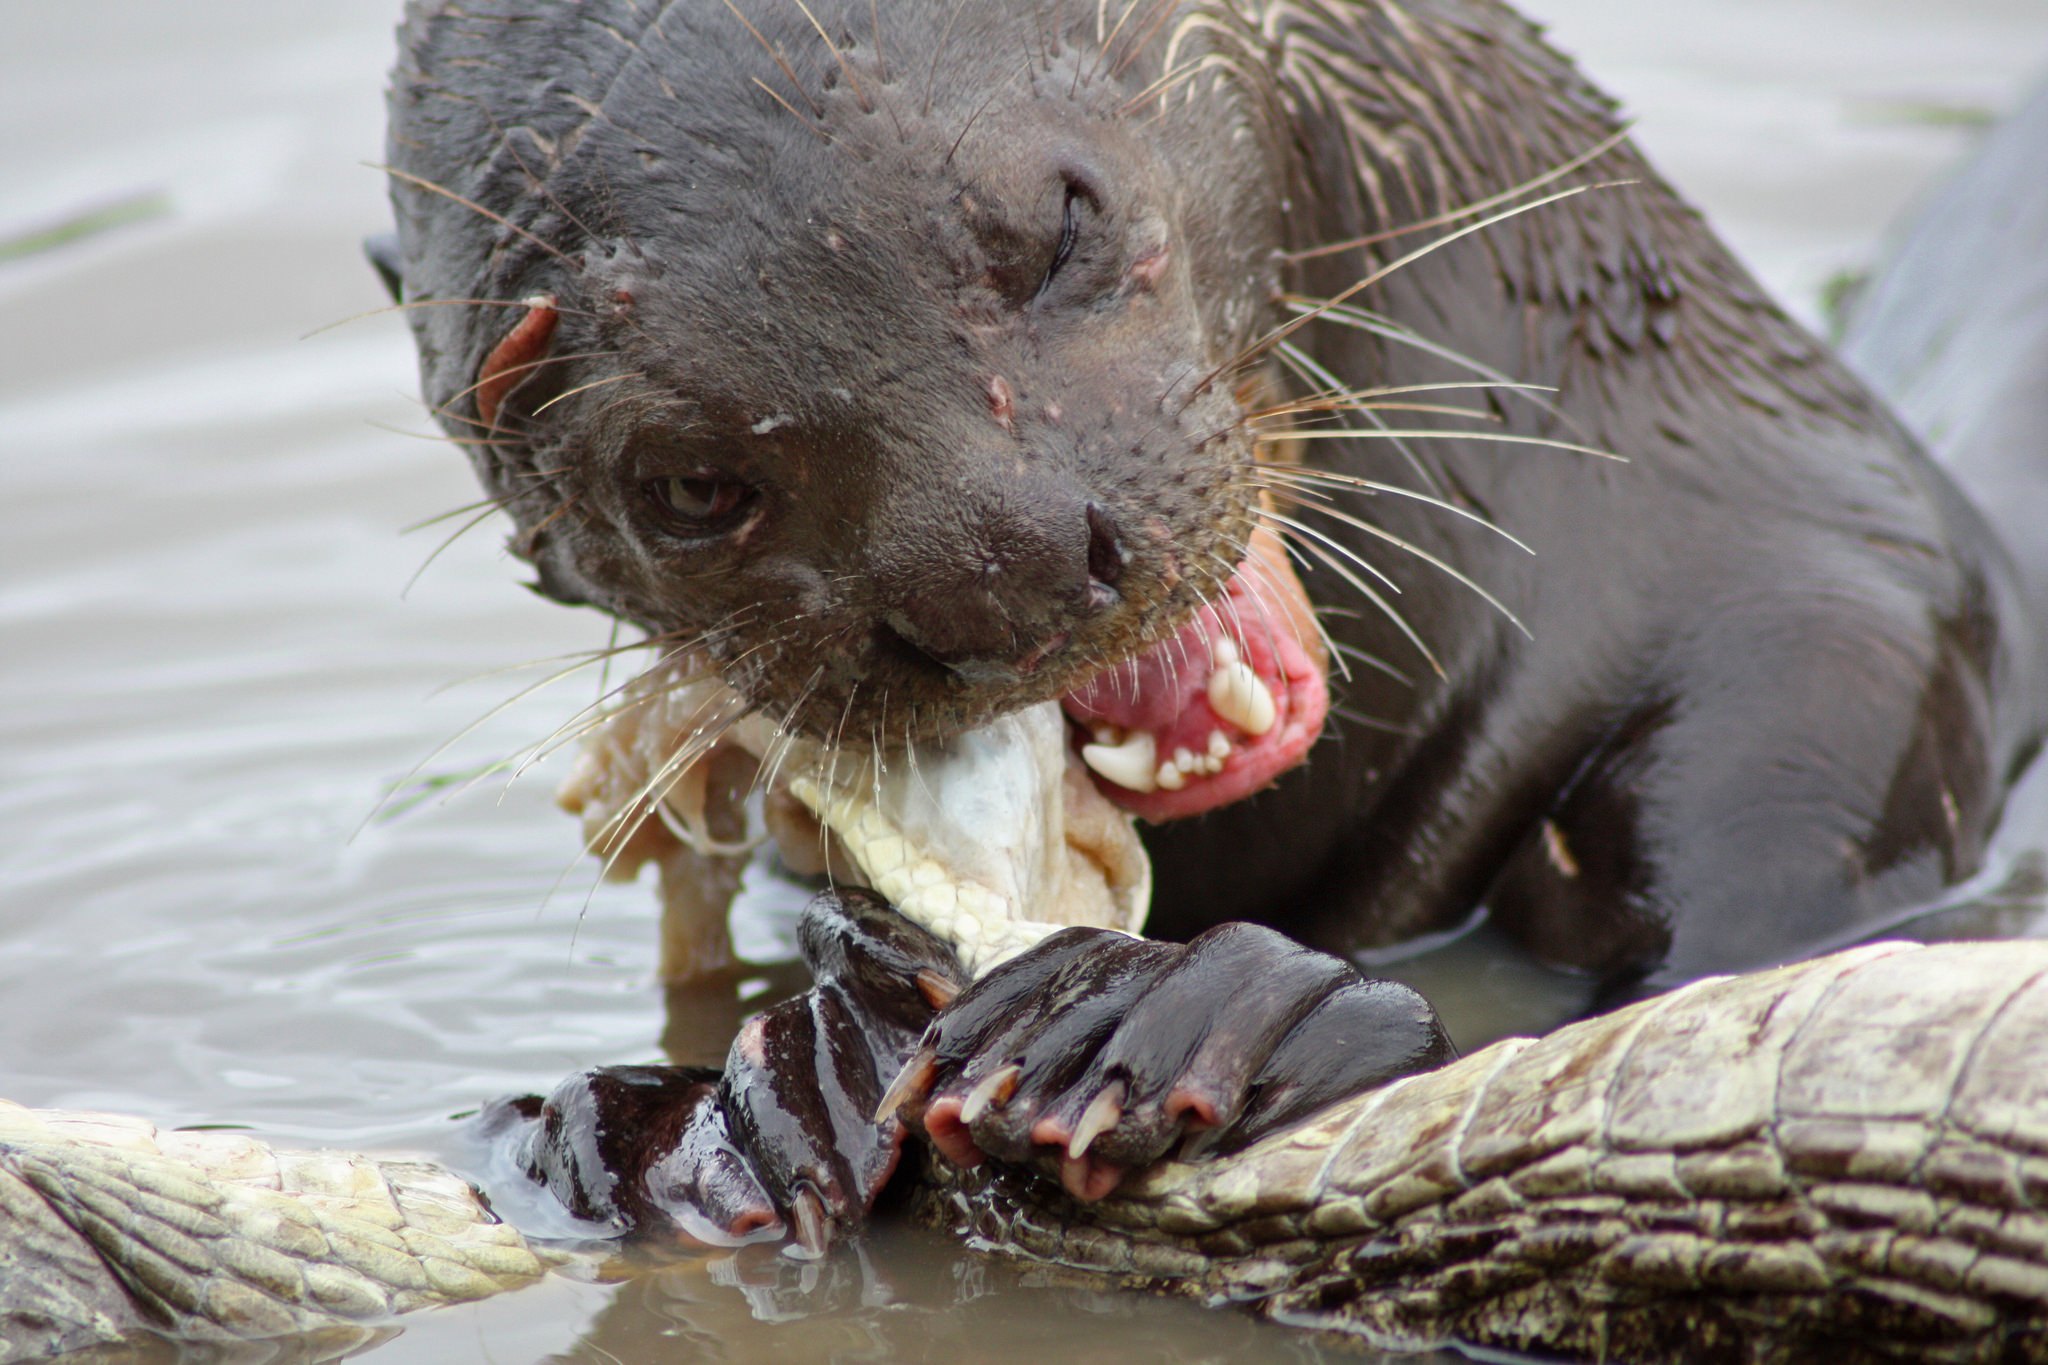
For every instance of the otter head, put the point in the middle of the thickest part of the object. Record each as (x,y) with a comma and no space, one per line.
(897,380)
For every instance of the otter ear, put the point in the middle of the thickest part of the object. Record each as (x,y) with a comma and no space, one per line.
(514,359)
(385,256)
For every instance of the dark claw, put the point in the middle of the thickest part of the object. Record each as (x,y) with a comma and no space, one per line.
(915,1077)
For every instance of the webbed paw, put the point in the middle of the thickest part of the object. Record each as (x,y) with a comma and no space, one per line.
(1103,1052)
(784,1141)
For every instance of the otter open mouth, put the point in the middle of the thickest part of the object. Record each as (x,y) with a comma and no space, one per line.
(1216,711)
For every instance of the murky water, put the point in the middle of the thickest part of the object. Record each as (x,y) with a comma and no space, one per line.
(213,668)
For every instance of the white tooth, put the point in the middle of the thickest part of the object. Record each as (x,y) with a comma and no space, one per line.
(1219,747)
(1223,651)
(1184,759)
(1237,695)
(1110,735)
(1129,764)
(1170,777)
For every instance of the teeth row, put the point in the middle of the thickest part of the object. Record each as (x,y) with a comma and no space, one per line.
(1132,761)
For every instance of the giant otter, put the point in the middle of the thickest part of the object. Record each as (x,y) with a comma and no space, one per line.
(915,361)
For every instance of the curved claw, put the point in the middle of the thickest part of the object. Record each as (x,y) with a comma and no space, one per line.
(812,1226)
(993,1089)
(1099,1117)
(915,1077)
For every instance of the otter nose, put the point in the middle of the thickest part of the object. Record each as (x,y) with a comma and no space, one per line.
(1027,580)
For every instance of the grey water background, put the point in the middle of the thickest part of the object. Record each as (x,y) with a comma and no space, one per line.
(212,669)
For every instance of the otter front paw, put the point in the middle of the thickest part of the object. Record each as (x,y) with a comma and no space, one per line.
(1103,1052)
(784,1142)
(642,1150)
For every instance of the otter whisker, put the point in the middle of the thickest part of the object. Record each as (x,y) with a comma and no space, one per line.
(482,504)
(1251,567)
(1426,434)
(1368,398)
(1335,545)
(837,747)
(815,130)
(586,388)
(774,52)
(496,506)
(593,715)
(462,734)
(1298,360)
(1336,565)
(530,537)
(1286,329)
(931,85)
(1376,324)
(1331,409)
(647,802)
(442,438)
(1104,42)
(604,672)
(1170,82)
(525,366)
(860,93)
(411,304)
(1298,476)
(1161,11)
(786,732)
(1357,717)
(1513,192)
(1256,568)
(514,436)
(979,110)
(1369,659)
(536,476)
(617,835)
(500,219)
(1425,556)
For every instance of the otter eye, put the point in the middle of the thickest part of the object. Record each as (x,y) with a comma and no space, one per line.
(699,503)
(1070,233)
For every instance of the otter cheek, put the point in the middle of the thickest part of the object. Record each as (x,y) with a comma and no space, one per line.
(1219,710)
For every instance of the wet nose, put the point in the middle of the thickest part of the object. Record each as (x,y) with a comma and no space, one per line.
(1027,576)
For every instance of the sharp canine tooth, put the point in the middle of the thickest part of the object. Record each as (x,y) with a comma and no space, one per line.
(1170,777)
(1237,695)
(1130,764)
